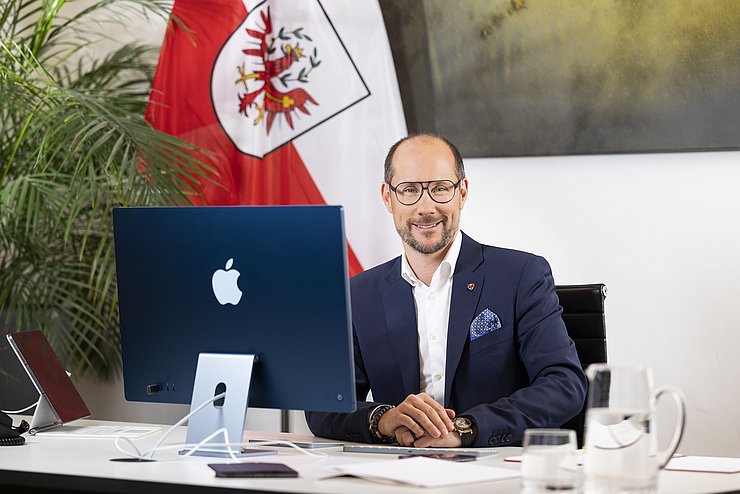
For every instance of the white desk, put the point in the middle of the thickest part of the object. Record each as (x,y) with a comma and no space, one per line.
(82,465)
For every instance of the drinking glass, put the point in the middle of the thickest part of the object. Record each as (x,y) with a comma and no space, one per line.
(549,461)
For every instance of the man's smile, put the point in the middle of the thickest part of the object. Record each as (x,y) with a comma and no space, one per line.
(427,226)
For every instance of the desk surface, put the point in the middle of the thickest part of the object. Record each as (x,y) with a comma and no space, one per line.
(83,465)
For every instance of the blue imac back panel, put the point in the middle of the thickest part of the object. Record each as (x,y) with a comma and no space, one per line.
(265,280)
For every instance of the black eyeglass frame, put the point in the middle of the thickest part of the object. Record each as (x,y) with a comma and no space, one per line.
(425,186)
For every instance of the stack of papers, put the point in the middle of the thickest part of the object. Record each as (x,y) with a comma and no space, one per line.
(423,472)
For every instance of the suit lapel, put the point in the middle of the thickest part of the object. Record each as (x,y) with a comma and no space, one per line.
(400,314)
(467,285)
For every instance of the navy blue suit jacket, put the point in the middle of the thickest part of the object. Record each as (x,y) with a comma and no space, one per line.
(524,375)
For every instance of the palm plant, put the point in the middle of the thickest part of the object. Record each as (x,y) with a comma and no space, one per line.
(73,145)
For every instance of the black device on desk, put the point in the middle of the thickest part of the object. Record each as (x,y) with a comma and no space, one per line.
(253,470)
(9,435)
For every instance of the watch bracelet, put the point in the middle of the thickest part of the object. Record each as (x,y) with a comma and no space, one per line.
(374,421)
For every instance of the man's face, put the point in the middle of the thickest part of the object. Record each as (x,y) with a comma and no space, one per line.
(427,226)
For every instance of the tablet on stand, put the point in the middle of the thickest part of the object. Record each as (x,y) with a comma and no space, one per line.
(59,401)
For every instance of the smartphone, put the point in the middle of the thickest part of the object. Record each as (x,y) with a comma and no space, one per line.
(253,470)
(443,457)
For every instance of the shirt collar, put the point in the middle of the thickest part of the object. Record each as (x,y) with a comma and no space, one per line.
(445,268)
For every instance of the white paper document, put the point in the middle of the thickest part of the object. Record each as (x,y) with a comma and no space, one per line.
(424,472)
(711,464)
(104,431)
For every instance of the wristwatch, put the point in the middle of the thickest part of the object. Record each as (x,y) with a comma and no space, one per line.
(464,426)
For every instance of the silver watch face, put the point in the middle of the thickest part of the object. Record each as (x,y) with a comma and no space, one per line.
(462,423)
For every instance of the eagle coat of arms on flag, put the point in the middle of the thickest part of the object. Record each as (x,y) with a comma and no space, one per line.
(282,72)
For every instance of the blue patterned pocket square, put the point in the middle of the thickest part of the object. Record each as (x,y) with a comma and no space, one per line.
(484,323)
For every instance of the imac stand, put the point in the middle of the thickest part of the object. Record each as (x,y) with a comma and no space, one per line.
(216,374)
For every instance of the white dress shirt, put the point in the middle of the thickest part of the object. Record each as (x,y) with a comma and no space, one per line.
(433,315)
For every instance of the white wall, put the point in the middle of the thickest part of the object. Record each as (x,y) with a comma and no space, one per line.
(663,232)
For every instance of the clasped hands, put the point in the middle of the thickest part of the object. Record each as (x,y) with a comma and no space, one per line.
(421,422)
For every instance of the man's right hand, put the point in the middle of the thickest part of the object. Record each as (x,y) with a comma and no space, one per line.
(417,416)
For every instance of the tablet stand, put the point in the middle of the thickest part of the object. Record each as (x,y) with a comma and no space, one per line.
(44,417)
(215,374)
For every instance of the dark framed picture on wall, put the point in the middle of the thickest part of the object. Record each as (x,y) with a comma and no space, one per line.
(558,77)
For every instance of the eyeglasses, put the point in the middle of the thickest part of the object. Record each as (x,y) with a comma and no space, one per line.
(441,191)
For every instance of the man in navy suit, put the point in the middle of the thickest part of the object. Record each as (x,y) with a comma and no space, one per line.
(462,344)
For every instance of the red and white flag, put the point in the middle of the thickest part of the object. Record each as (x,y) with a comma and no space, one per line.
(298,101)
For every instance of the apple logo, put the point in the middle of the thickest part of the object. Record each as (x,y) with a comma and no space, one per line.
(224,285)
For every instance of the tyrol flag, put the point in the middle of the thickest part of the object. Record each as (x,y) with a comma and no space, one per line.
(297,100)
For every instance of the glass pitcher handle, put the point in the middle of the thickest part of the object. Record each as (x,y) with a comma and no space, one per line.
(666,455)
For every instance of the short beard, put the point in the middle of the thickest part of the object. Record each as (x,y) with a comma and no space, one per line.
(409,239)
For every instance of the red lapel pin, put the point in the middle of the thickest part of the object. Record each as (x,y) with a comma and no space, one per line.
(471,286)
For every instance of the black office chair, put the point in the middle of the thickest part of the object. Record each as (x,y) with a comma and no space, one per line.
(583,314)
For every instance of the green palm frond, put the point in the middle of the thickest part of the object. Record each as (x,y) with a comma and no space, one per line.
(74,144)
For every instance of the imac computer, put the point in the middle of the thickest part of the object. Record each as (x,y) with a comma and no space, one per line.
(264,281)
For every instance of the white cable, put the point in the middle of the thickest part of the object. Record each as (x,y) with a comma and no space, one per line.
(128,453)
(185,419)
(193,448)
(148,455)
(23,409)
(143,456)
(204,441)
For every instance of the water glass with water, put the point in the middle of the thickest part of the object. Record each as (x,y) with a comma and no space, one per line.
(549,461)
